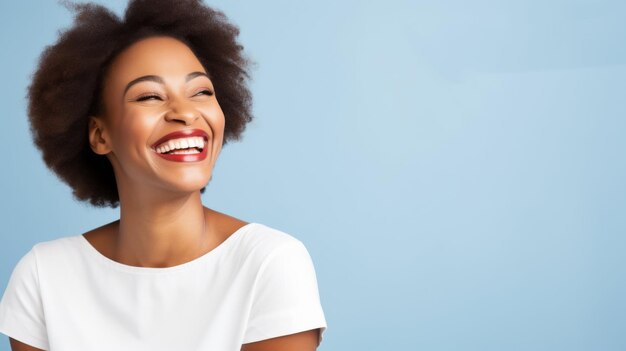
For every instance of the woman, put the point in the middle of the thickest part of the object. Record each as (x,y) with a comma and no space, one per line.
(134,113)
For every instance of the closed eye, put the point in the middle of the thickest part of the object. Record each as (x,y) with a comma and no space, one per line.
(148,97)
(206,92)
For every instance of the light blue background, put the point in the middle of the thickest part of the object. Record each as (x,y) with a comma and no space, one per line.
(455,168)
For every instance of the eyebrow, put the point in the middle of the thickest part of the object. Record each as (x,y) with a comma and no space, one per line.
(158,79)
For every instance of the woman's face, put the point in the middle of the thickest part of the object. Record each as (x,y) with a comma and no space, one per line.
(154,88)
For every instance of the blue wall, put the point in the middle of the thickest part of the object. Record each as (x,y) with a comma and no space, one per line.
(456,169)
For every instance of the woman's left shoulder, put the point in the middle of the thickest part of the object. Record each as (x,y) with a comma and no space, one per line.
(255,234)
(270,238)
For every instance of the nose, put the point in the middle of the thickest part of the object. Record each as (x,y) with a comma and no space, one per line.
(181,111)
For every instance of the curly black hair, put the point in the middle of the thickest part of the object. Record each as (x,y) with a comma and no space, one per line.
(67,86)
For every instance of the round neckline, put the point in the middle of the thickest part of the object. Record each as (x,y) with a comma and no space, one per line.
(162,270)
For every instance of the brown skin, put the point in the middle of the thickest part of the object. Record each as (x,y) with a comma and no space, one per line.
(304,341)
(20,346)
(162,220)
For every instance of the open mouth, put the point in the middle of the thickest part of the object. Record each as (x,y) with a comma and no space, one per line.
(187,145)
(182,146)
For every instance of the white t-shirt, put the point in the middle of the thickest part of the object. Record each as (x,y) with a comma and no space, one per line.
(259,283)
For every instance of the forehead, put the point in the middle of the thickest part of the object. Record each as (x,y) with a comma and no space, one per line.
(162,56)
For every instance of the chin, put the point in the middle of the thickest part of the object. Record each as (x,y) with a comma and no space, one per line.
(188,183)
(190,187)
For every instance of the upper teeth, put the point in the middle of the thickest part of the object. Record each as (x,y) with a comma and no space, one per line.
(182,143)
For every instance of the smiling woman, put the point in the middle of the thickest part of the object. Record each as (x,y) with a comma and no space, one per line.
(155,97)
(145,110)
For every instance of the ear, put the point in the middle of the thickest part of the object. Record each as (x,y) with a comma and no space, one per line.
(98,136)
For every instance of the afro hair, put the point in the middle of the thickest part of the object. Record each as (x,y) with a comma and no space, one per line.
(67,86)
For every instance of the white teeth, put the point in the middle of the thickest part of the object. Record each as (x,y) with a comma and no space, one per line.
(185,152)
(182,143)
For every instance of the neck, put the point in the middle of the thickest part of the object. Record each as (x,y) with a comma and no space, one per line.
(154,232)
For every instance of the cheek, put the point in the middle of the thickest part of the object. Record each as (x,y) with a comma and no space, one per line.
(221,123)
(215,118)
(134,130)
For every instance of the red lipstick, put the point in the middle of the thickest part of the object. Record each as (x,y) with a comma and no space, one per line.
(184,134)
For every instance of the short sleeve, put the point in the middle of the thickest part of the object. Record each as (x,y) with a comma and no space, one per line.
(285,297)
(21,311)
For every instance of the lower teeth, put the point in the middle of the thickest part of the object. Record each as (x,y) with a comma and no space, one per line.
(184,152)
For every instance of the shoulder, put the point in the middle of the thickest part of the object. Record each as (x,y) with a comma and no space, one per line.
(55,247)
(279,255)
(268,239)
(257,245)
(270,236)
(250,236)
(42,253)
(49,256)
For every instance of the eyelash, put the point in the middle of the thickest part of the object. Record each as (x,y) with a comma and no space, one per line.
(146,97)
